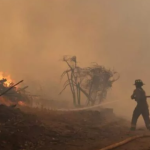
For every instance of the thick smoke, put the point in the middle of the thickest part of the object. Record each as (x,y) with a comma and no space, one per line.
(35,34)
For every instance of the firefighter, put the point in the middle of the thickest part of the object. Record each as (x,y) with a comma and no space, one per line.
(140,97)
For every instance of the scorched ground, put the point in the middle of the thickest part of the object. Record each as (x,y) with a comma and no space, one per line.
(35,129)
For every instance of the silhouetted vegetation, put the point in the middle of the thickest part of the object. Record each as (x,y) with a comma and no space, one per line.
(93,81)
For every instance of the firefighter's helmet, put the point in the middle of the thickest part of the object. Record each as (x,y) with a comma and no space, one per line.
(139,82)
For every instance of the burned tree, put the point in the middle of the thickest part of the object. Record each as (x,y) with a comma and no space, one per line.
(93,82)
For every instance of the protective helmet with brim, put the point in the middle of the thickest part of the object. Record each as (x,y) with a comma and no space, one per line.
(139,82)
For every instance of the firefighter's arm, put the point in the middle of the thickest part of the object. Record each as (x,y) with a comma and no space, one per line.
(136,95)
(133,96)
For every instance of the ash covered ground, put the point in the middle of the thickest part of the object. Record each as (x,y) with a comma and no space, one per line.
(36,129)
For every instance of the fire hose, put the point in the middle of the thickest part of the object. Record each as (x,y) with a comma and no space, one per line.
(118,144)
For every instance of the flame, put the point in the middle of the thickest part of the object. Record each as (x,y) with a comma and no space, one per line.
(8,77)
(21,103)
(5,101)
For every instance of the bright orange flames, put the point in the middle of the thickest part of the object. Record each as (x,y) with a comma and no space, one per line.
(9,80)
(4,100)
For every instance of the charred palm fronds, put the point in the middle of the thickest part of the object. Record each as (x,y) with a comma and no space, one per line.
(93,82)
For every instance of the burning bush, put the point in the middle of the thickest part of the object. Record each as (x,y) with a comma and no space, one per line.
(11,94)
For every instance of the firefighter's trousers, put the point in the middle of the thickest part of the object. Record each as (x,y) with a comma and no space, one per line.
(141,110)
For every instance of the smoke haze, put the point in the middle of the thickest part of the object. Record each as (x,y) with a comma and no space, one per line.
(35,34)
